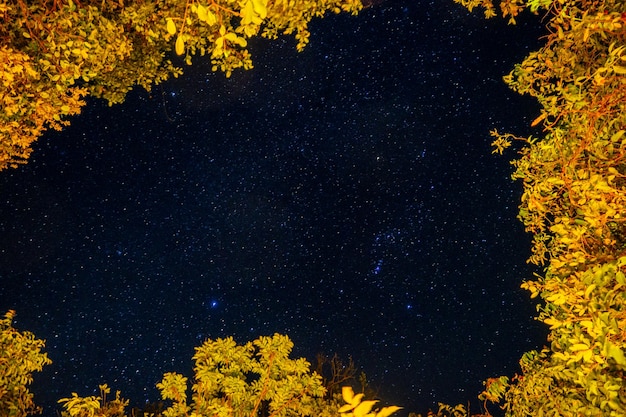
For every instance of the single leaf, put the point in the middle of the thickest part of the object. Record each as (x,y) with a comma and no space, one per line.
(579,346)
(357,400)
(180,45)
(364,408)
(347,393)
(387,411)
(589,290)
(171,27)
(211,19)
(202,13)
(538,120)
(619,70)
(617,354)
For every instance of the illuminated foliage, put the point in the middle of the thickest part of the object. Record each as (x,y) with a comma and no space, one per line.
(254,379)
(574,204)
(251,380)
(356,407)
(93,406)
(20,356)
(257,379)
(56,53)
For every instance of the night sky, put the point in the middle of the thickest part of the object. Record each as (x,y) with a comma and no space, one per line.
(346,196)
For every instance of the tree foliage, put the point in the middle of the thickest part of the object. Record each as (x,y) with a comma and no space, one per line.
(55,53)
(356,406)
(254,379)
(20,356)
(574,204)
(257,379)
(93,406)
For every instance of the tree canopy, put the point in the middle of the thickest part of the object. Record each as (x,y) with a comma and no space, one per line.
(573,174)
(55,53)
(574,205)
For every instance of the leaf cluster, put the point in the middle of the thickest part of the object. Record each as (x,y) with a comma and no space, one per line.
(93,406)
(574,204)
(54,54)
(254,379)
(20,356)
(221,28)
(356,406)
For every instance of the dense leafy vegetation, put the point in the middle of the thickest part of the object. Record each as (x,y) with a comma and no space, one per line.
(54,54)
(20,356)
(574,199)
(574,204)
(256,379)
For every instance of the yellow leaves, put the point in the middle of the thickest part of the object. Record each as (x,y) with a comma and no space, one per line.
(489,10)
(532,287)
(94,406)
(173,386)
(501,142)
(108,51)
(494,389)
(578,346)
(356,407)
(574,204)
(206,15)
(20,356)
(590,328)
(553,323)
(617,136)
(253,12)
(222,42)
(500,145)
(363,408)
(80,407)
(614,352)
(352,401)
(222,29)
(233,379)
(557,299)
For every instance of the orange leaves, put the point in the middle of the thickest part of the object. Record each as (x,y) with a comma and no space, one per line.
(109,50)
(538,120)
(30,106)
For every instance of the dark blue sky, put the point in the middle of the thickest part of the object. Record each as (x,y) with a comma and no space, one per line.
(346,196)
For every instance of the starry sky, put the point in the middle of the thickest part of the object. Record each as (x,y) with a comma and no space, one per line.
(346,196)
